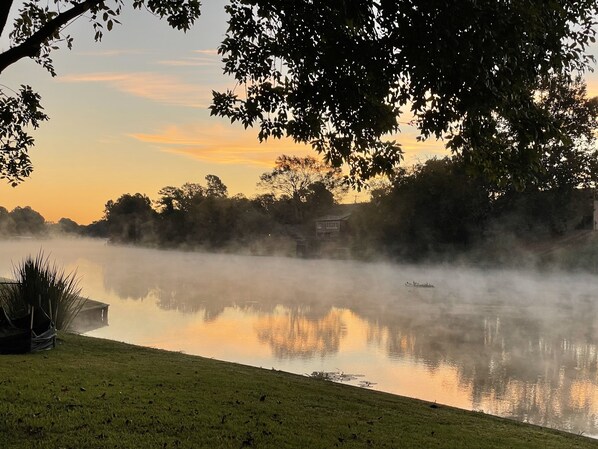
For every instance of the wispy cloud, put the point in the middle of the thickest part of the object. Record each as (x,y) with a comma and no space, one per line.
(190,62)
(227,144)
(222,144)
(204,58)
(212,52)
(114,52)
(161,88)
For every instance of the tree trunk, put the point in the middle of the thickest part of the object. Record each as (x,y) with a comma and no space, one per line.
(4,11)
(31,46)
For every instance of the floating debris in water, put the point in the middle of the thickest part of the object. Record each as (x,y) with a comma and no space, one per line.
(339,376)
(418,285)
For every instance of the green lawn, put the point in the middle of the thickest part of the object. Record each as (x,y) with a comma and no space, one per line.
(91,393)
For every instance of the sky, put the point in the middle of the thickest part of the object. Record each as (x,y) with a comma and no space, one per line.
(130,114)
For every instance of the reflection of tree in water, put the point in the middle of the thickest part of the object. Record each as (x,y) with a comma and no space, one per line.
(210,289)
(535,367)
(291,334)
(128,279)
(188,301)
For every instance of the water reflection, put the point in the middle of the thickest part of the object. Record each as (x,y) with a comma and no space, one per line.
(291,334)
(514,344)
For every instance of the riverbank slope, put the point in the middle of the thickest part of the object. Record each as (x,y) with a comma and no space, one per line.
(96,393)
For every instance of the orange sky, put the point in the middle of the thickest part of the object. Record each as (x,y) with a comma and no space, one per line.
(130,115)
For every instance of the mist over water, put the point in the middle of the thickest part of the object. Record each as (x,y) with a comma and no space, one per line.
(511,343)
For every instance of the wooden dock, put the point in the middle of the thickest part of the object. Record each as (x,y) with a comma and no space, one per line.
(93,315)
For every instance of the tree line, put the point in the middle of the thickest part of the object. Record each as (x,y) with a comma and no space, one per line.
(438,210)
(434,210)
(204,215)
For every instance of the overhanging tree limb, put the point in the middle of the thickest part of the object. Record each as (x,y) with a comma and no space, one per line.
(36,31)
(4,11)
(32,45)
(340,75)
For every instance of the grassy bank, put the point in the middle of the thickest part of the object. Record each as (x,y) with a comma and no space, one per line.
(91,393)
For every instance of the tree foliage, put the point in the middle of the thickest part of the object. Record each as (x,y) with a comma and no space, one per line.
(27,221)
(17,113)
(341,74)
(130,218)
(38,30)
(183,211)
(431,208)
(215,187)
(180,198)
(303,180)
(21,221)
(292,176)
(563,156)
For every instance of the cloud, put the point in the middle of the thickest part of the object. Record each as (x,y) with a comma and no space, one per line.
(161,88)
(221,144)
(114,52)
(212,52)
(206,58)
(190,62)
(227,144)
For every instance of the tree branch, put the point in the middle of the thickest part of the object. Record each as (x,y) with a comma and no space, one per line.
(4,11)
(31,46)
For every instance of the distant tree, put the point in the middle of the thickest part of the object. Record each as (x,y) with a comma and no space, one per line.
(539,214)
(68,226)
(98,228)
(318,200)
(172,205)
(279,210)
(434,208)
(294,177)
(264,202)
(253,221)
(38,29)
(215,187)
(169,200)
(27,221)
(214,221)
(211,222)
(179,208)
(130,219)
(6,222)
(180,198)
(554,201)
(340,75)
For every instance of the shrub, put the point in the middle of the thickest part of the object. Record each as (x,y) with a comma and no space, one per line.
(44,287)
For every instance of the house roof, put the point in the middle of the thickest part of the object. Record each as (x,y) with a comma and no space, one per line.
(344,216)
(338,212)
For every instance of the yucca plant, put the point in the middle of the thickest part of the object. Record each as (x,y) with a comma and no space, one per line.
(44,287)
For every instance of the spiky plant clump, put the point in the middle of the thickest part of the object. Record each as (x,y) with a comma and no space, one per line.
(44,287)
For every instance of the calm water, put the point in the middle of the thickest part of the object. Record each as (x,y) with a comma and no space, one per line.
(514,344)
